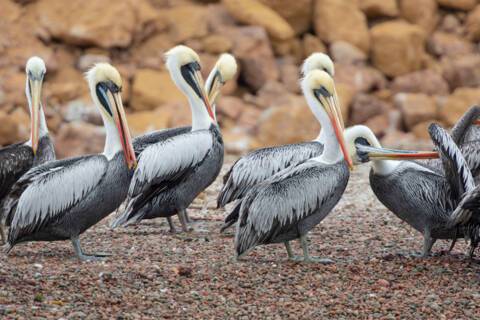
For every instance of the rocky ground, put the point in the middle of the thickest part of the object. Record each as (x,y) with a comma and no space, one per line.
(153,274)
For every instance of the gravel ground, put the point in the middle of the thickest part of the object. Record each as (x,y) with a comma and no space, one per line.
(154,274)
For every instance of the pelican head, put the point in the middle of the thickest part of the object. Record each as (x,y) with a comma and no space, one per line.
(105,85)
(364,146)
(319,89)
(318,61)
(184,66)
(224,70)
(35,70)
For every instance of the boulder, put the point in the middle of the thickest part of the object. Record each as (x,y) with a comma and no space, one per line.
(473,24)
(236,140)
(12,129)
(366,106)
(398,47)
(312,44)
(253,12)
(457,103)
(186,22)
(462,71)
(289,75)
(153,88)
(86,61)
(230,107)
(249,117)
(464,5)
(336,20)
(379,8)
(91,22)
(378,124)
(141,122)
(66,85)
(297,13)
(345,97)
(448,44)
(420,130)
(360,78)
(422,13)
(451,24)
(149,53)
(346,53)
(216,44)
(424,81)
(415,108)
(79,138)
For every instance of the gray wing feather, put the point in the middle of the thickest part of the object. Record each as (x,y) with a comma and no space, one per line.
(167,158)
(54,189)
(463,129)
(260,165)
(281,202)
(140,143)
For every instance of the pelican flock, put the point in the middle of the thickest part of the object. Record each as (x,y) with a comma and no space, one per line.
(279,193)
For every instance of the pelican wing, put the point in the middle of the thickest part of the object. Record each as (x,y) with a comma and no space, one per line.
(456,168)
(49,191)
(15,160)
(277,205)
(170,159)
(465,130)
(260,165)
(140,143)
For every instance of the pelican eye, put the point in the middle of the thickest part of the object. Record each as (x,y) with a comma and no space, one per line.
(188,70)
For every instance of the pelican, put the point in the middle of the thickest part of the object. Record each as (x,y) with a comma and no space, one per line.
(18,158)
(421,195)
(261,164)
(289,204)
(61,199)
(172,172)
(224,70)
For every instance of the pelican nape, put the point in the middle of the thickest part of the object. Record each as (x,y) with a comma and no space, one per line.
(225,69)
(171,173)
(61,199)
(261,164)
(289,204)
(18,158)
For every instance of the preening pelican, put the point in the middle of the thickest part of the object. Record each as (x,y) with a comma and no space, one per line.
(289,204)
(261,164)
(18,158)
(421,195)
(172,172)
(61,199)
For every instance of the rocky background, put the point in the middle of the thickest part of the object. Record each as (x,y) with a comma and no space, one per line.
(399,64)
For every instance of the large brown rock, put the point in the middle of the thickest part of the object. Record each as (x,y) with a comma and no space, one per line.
(153,88)
(297,13)
(149,54)
(312,44)
(366,106)
(379,8)
(286,124)
(457,103)
(398,47)
(422,13)
(79,138)
(346,53)
(186,22)
(253,12)
(12,129)
(448,44)
(341,20)
(424,81)
(251,47)
(91,22)
(141,122)
(360,78)
(473,24)
(462,71)
(415,108)
(67,84)
(458,4)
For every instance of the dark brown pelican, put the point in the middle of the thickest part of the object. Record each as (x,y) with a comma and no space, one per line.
(18,158)
(61,199)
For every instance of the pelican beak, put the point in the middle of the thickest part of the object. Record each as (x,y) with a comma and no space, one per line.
(115,101)
(197,77)
(367,153)
(35,94)
(214,87)
(330,102)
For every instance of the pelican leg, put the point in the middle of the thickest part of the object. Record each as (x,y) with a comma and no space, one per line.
(428,242)
(291,256)
(171,225)
(3,234)
(183,220)
(187,218)
(85,257)
(307,257)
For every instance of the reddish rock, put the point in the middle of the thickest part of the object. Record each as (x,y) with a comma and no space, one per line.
(87,61)
(14,128)
(473,24)
(346,53)
(423,81)
(231,107)
(336,20)
(72,137)
(463,71)
(186,22)
(217,44)
(360,78)
(312,44)
(366,106)
(458,4)
(379,8)
(249,117)
(145,121)
(289,75)
(457,103)
(378,124)
(149,53)
(415,108)
(447,44)
(297,13)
